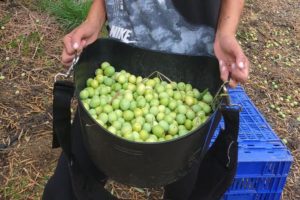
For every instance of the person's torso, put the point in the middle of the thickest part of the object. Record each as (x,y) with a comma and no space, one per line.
(156,25)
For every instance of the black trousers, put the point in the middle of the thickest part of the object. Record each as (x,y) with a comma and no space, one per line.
(61,187)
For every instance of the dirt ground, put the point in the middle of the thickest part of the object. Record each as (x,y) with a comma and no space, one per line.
(30,45)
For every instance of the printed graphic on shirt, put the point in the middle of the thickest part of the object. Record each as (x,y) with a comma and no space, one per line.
(118,8)
(155,24)
(121,34)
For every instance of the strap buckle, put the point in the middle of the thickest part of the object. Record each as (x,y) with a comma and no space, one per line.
(68,73)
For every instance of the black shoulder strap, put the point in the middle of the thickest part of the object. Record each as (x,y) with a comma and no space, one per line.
(210,179)
(218,168)
(63,93)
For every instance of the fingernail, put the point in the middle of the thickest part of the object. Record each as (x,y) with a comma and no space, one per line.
(223,68)
(75,45)
(221,62)
(233,65)
(241,65)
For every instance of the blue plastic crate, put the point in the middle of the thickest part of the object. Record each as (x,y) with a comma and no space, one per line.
(264,161)
(261,174)
(253,126)
(261,170)
(271,145)
(252,196)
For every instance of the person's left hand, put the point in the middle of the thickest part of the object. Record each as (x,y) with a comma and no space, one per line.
(231,59)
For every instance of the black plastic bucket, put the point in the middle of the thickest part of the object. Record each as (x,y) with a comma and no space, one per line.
(146,164)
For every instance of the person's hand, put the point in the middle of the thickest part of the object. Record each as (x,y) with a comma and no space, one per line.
(78,39)
(231,60)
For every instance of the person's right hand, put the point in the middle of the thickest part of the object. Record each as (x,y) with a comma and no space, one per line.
(232,59)
(78,39)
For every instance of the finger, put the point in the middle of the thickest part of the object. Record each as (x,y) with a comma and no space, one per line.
(82,46)
(67,41)
(242,63)
(67,65)
(233,83)
(238,54)
(244,73)
(240,58)
(224,73)
(77,40)
(240,74)
(84,43)
(66,59)
(232,67)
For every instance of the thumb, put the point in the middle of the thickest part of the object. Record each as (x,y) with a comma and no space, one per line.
(224,72)
(242,64)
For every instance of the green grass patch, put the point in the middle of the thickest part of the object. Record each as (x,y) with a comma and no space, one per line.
(5,20)
(69,13)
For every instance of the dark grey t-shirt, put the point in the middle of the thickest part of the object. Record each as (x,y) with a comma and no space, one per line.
(155,24)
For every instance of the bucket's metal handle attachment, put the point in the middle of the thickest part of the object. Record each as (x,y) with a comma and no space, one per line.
(222,92)
(68,73)
(225,94)
(225,90)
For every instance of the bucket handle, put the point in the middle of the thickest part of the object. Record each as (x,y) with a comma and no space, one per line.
(68,73)
(223,94)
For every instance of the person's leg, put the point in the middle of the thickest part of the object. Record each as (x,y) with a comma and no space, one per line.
(80,153)
(86,187)
(59,186)
(88,181)
(81,180)
(71,183)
